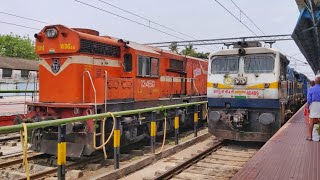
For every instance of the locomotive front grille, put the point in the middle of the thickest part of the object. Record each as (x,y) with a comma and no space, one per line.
(97,48)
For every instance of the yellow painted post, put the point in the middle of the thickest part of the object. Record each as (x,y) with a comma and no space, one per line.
(195,120)
(62,152)
(153,131)
(116,143)
(176,127)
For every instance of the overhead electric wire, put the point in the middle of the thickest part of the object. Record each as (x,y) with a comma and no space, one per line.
(235,17)
(248,17)
(241,11)
(141,17)
(19,25)
(146,19)
(21,17)
(128,19)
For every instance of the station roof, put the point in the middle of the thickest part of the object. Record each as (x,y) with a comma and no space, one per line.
(307,33)
(301,3)
(17,63)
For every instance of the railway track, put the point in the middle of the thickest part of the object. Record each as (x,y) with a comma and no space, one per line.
(210,159)
(220,161)
(7,137)
(44,166)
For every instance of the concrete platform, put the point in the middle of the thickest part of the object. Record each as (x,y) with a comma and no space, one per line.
(287,155)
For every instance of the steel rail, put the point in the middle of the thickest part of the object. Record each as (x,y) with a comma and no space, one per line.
(10,137)
(180,167)
(18,161)
(68,166)
(43,124)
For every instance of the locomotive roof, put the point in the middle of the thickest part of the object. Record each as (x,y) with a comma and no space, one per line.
(142,47)
(248,51)
(17,63)
(155,50)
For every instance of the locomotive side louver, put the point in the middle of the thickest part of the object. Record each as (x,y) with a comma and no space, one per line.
(97,48)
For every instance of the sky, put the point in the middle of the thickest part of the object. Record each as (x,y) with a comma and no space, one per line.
(201,19)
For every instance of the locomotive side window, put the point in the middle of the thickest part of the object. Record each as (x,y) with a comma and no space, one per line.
(148,66)
(176,65)
(225,65)
(154,67)
(127,63)
(258,64)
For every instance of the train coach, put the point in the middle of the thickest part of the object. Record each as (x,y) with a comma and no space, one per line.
(82,73)
(252,92)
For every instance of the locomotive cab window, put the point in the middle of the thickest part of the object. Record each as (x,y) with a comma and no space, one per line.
(225,65)
(148,66)
(258,64)
(127,63)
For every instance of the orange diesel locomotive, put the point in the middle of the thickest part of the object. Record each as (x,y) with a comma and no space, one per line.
(82,73)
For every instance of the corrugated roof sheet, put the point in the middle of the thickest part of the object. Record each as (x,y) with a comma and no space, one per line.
(301,3)
(17,63)
(307,38)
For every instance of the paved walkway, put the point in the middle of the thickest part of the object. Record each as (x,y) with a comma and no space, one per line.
(287,155)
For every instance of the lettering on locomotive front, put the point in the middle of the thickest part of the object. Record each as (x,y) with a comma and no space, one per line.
(67,46)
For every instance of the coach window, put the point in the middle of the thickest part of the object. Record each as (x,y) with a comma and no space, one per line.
(147,66)
(127,63)
(6,73)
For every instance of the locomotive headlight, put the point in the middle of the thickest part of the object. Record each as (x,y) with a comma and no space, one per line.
(51,33)
(243,81)
(236,81)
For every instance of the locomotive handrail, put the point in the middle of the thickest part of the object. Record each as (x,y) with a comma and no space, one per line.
(94,89)
(57,122)
(35,87)
(105,90)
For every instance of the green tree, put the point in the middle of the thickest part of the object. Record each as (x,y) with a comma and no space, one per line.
(16,46)
(174,47)
(202,55)
(189,51)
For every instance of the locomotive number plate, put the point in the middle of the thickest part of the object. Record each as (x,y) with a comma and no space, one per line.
(238,92)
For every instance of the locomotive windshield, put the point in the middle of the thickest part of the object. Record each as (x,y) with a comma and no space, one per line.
(225,65)
(258,64)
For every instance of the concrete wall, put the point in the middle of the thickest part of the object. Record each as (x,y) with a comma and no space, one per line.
(16,82)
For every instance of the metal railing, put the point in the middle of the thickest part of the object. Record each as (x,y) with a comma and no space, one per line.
(116,132)
(16,91)
(57,122)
